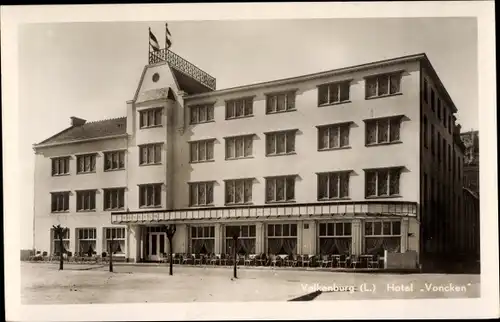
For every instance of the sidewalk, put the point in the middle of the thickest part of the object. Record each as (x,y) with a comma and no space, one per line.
(85,284)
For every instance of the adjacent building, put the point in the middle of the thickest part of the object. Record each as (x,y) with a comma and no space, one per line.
(351,160)
(471,160)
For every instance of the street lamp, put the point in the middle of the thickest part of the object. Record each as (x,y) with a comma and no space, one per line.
(235,233)
(170,229)
(111,252)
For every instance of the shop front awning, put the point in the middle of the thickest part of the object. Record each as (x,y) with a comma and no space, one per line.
(269,212)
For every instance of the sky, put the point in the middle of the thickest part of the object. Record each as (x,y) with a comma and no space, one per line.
(90,70)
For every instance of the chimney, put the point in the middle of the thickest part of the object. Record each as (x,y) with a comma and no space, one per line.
(75,121)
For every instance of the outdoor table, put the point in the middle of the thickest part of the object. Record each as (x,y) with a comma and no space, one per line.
(365,259)
(282,256)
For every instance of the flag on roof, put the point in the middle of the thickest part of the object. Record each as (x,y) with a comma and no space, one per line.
(168,35)
(153,42)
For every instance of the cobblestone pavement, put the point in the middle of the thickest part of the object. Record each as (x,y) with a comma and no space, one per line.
(43,283)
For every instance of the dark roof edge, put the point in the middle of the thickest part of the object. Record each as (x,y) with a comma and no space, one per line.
(53,136)
(115,136)
(294,79)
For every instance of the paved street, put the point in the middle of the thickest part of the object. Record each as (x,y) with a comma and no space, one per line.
(43,283)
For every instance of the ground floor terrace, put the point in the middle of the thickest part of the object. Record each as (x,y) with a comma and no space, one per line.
(347,235)
(336,235)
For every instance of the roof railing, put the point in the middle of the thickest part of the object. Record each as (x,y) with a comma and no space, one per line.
(182,65)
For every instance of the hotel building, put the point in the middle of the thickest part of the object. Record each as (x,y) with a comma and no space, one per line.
(348,160)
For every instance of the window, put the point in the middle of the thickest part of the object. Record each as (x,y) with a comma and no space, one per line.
(433,100)
(56,243)
(117,235)
(279,143)
(202,239)
(333,93)
(60,166)
(439,108)
(150,154)
(383,85)
(150,118)
(85,200)
(333,136)
(239,147)
(333,185)
(424,124)
(449,158)
(335,238)
(201,151)
(425,187)
(433,139)
(201,193)
(202,113)
(85,163)
(445,117)
(150,195)
(280,189)
(86,241)
(450,123)
(238,108)
(114,160)
(426,91)
(439,146)
(280,102)
(382,235)
(246,239)
(282,239)
(114,199)
(239,191)
(443,148)
(382,182)
(383,131)
(60,201)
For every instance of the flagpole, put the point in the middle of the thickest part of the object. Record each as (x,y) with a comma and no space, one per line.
(166,35)
(149,46)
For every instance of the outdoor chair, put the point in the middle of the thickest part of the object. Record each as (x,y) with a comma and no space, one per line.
(186,258)
(342,262)
(273,260)
(292,260)
(306,259)
(223,259)
(373,262)
(215,259)
(262,260)
(177,259)
(198,258)
(250,259)
(326,260)
(354,261)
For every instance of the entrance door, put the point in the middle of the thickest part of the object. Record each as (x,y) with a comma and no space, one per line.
(157,246)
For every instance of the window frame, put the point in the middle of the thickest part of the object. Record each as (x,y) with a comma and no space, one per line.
(398,74)
(285,179)
(57,161)
(382,221)
(65,201)
(245,200)
(275,134)
(92,163)
(108,197)
(197,184)
(338,127)
(196,109)
(81,205)
(143,195)
(338,86)
(233,140)
(390,170)
(120,240)
(154,146)
(244,101)
(425,124)
(81,232)
(208,143)
(368,122)
(346,174)
(109,155)
(156,112)
(276,96)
